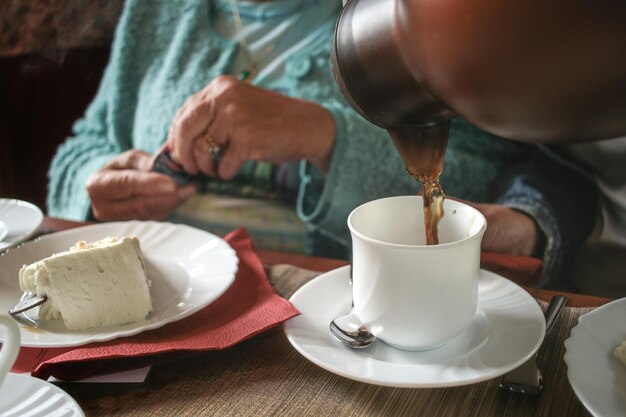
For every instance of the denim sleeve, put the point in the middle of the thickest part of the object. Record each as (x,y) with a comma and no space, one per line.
(561,198)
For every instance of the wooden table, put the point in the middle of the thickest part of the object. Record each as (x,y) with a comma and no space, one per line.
(266,376)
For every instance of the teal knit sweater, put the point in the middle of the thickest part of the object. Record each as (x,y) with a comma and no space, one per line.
(164,51)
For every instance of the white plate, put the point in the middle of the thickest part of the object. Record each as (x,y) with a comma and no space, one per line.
(21,220)
(508,328)
(23,395)
(189,269)
(597,377)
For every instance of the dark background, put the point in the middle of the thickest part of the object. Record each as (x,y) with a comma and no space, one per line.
(52,55)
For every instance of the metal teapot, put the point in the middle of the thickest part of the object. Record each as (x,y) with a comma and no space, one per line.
(536,71)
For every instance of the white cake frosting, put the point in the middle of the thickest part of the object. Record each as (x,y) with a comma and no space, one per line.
(103,283)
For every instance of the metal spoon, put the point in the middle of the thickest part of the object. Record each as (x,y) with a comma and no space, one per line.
(350,332)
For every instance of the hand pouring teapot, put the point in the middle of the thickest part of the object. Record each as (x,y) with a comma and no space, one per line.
(536,71)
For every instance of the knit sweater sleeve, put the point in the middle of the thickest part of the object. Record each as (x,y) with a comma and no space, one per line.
(90,147)
(160,56)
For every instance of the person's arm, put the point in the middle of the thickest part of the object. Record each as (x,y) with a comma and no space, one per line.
(248,123)
(562,200)
(97,175)
(88,150)
(139,93)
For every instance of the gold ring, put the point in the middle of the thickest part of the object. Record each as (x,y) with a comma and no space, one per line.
(212,147)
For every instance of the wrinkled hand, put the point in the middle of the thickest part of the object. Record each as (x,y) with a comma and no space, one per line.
(125,189)
(249,123)
(508,230)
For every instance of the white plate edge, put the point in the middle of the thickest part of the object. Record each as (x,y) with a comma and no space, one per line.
(99,337)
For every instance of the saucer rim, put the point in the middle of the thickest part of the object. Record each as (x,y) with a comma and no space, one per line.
(34,384)
(343,273)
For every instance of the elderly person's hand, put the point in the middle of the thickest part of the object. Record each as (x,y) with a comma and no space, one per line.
(248,123)
(125,189)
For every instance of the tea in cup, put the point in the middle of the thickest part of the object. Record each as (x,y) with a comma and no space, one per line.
(411,295)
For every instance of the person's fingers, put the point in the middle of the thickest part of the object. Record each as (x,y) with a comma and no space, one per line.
(221,99)
(232,159)
(160,211)
(141,208)
(131,159)
(228,167)
(235,143)
(151,207)
(165,147)
(119,184)
(206,160)
(170,142)
(187,129)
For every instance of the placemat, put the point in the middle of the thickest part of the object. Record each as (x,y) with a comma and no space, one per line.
(266,376)
(483,399)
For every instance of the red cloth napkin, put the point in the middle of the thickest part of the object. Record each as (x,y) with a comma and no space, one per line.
(247,308)
(522,270)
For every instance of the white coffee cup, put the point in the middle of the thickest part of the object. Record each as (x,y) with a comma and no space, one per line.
(10,344)
(410,295)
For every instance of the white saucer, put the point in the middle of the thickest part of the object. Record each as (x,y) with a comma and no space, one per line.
(508,328)
(22,395)
(21,220)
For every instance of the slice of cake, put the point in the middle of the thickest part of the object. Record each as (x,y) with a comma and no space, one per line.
(103,283)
